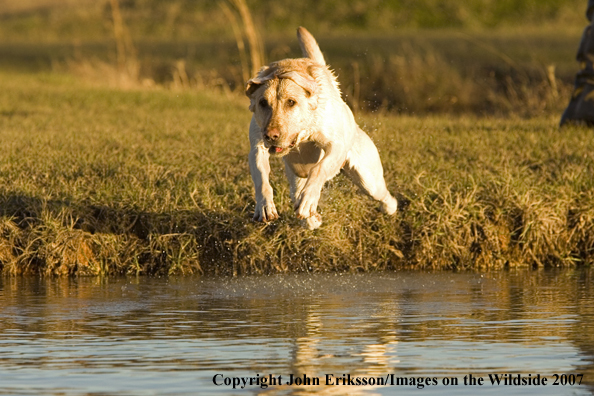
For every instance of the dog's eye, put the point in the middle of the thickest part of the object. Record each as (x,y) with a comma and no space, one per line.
(291,103)
(263,103)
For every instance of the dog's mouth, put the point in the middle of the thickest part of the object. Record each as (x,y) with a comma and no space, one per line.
(277,150)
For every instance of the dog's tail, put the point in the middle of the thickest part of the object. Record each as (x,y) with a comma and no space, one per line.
(309,46)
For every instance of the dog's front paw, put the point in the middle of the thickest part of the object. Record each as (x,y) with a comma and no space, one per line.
(312,222)
(265,211)
(389,205)
(307,204)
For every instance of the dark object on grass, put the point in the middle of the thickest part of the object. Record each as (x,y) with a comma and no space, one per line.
(580,110)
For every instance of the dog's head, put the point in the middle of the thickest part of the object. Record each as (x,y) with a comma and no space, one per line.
(284,97)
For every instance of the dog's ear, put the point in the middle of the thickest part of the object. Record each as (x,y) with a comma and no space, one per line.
(266,73)
(252,86)
(305,81)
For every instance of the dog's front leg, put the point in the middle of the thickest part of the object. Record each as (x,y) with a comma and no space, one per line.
(307,201)
(260,170)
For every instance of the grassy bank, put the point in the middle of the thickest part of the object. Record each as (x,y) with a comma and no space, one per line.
(104,181)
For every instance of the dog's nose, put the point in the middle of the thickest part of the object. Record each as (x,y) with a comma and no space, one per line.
(272,134)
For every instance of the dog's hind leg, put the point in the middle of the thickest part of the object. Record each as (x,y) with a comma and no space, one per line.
(364,168)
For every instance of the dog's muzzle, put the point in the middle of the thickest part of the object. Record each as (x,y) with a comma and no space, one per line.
(271,137)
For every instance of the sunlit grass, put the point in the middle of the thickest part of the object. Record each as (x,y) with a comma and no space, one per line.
(97,180)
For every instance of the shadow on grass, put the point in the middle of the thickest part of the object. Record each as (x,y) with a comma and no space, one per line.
(63,237)
(67,237)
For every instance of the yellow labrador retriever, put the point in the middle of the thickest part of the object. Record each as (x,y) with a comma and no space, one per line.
(299,115)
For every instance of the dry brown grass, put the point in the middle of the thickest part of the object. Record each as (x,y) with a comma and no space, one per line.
(95,180)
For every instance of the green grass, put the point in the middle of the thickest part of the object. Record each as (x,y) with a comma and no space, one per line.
(430,56)
(450,71)
(182,20)
(96,180)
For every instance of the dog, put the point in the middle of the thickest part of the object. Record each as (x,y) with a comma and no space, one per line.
(299,115)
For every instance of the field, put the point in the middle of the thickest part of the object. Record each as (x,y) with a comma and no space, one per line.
(435,56)
(124,137)
(100,180)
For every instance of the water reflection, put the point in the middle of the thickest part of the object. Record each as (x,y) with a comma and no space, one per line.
(172,336)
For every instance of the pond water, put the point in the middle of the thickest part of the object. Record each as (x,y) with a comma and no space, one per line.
(389,333)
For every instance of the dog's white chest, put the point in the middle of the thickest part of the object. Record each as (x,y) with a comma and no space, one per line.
(305,157)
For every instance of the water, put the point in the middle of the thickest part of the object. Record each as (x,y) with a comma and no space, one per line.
(145,336)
